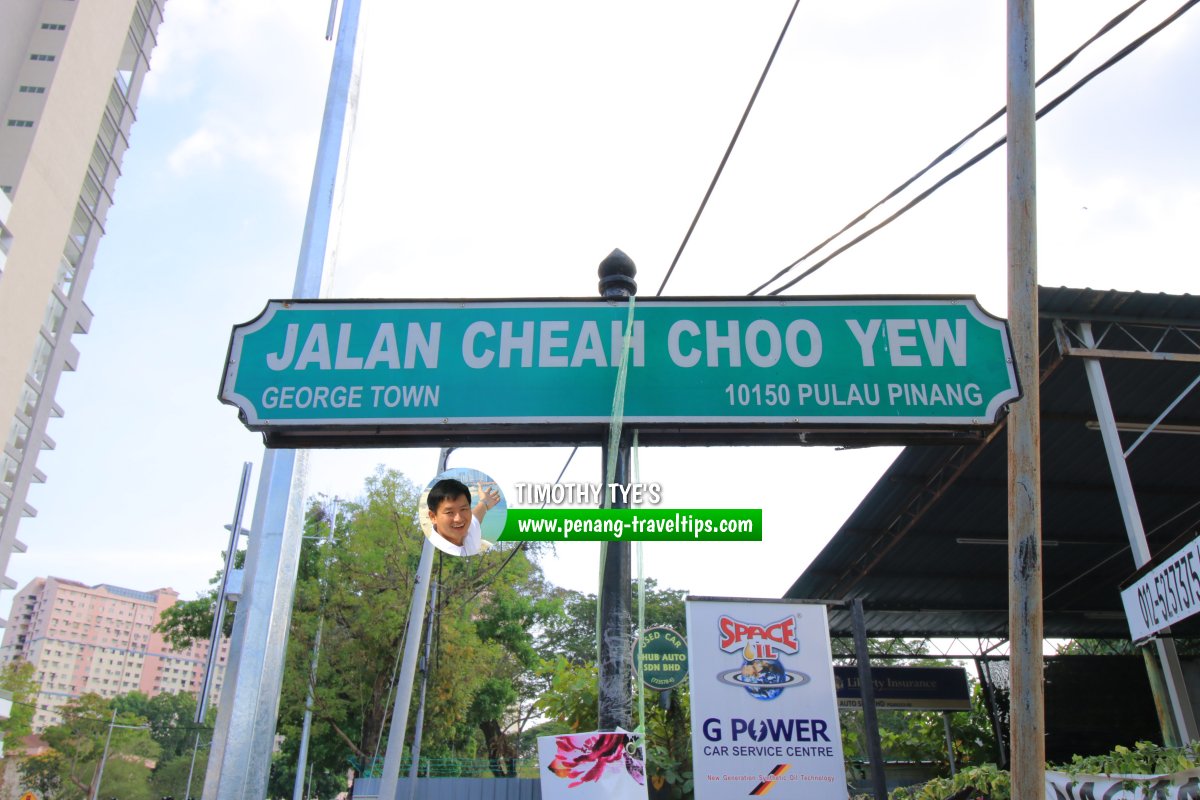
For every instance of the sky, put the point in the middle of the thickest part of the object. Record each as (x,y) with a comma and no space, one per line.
(503,150)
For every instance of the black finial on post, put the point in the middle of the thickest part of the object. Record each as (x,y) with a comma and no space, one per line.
(615,662)
(616,275)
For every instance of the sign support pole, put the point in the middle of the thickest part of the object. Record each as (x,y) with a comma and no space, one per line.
(870,717)
(1025,628)
(243,740)
(949,742)
(615,664)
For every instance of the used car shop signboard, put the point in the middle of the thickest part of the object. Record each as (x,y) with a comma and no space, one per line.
(764,708)
(363,372)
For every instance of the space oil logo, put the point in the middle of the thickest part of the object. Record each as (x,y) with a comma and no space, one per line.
(762,671)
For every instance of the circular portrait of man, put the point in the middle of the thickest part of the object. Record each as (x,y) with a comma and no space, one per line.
(463,511)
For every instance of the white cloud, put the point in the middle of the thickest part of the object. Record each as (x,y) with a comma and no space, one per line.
(200,150)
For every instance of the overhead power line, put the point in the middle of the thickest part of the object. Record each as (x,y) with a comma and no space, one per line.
(725,158)
(1118,56)
(1057,68)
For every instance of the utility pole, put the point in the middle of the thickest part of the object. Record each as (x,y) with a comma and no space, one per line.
(1027,723)
(615,664)
(408,665)
(306,730)
(112,722)
(419,729)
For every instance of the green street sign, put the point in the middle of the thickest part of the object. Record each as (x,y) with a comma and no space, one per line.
(662,654)
(372,372)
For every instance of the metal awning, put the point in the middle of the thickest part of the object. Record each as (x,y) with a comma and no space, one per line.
(926,550)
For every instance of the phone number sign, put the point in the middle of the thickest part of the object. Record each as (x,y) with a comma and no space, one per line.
(525,369)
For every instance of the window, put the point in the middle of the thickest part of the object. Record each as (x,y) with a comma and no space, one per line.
(37,368)
(41,57)
(18,436)
(20,123)
(33,90)
(53,26)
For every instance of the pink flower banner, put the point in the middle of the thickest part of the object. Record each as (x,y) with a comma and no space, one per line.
(579,766)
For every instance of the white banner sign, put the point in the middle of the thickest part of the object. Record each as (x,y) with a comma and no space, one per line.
(1175,786)
(1167,594)
(592,766)
(764,710)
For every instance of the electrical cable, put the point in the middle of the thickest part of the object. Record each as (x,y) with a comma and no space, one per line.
(1061,65)
(522,545)
(1136,43)
(728,150)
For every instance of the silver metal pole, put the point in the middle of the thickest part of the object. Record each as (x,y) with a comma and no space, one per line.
(949,742)
(1181,707)
(245,731)
(239,763)
(214,635)
(1027,711)
(112,722)
(302,760)
(192,768)
(408,667)
(420,726)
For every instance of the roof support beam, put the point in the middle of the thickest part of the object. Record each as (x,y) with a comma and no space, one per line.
(1184,720)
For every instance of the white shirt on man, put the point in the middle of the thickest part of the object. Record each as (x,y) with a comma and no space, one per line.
(472,544)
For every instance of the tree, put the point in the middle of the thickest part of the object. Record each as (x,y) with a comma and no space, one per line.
(42,774)
(170,778)
(191,620)
(79,741)
(170,717)
(572,700)
(915,735)
(356,586)
(17,679)
(572,634)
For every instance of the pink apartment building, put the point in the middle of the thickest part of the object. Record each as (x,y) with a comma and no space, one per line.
(100,639)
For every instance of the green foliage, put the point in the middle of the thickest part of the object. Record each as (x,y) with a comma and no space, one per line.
(191,620)
(355,587)
(527,746)
(17,679)
(170,778)
(572,634)
(984,781)
(169,716)
(42,774)
(669,742)
(1146,758)
(80,739)
(915,735)
(572,700)
(572,697)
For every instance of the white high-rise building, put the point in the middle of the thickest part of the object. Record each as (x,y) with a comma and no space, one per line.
(70,73)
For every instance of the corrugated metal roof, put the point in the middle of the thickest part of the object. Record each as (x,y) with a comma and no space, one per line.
(926,549)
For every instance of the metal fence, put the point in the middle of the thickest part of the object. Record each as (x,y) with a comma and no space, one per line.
(451,768)
(454,789)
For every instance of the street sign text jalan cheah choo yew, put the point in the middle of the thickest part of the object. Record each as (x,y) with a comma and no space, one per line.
(884,360)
